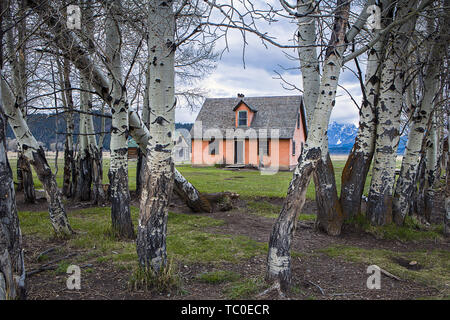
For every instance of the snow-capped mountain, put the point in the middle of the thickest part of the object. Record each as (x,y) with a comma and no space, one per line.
(341,137)
(341,134)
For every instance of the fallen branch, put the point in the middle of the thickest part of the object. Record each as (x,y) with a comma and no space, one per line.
(317,286)
(48,266)
(306,225)
(45,252)
(390,275)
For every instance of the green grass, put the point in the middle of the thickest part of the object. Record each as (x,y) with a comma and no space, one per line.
(218,276)
(252,184)
(434,264)
(59,175)
(166,281)
(187,239)
(412,230)
(245,289)
(247,183)
(266,209)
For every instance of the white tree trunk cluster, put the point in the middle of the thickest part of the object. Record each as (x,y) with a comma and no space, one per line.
(379,206)
(406,183)
(35,154)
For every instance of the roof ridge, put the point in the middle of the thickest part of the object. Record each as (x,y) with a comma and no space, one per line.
(254,97)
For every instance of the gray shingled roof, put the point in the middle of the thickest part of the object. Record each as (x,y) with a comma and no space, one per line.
(279,112)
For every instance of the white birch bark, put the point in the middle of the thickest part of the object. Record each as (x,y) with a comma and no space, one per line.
(407,180)
(12,271)
(379,206)
(309,63)
(326,198)
(157,186)
(35,154)
(278,259)
(118,170)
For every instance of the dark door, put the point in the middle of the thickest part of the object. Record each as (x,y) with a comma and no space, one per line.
(239,152)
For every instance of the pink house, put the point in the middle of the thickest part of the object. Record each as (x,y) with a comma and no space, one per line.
(255,132)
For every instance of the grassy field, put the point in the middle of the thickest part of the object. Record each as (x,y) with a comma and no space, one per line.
(247,183)
(59,174)
(223,254)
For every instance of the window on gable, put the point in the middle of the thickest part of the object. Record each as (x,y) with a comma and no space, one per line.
(298,120)
(213,147)
(293,147)
(242,118)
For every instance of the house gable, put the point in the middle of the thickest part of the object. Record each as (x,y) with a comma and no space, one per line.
(243,111)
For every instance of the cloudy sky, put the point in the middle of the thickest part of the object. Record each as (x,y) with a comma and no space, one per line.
(259,77)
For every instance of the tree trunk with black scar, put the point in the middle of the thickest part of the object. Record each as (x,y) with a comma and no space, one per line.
(29,192)
(98,194)
(139,172)
(406,182)
(83,159)
(329,214)
(19,187)
(35,154)
(432,170)
(68,167)
(92,152)
(185,190)
(69,161)
(84,177)
(417,197)
(278,258)
(357,166)
(379,205)
(119,194)
(12,270)
(157,186)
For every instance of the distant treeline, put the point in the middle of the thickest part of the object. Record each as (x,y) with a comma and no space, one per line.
(45,128)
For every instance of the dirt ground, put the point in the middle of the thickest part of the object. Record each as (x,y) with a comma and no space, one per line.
(314,274)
